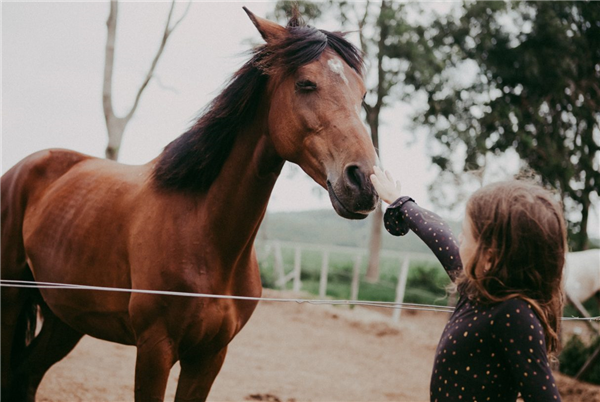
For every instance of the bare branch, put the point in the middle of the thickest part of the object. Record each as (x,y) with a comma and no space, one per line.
(116,125)
(111,25)
(363,21)
(182,16)
(361,34)
(163,86)
(163,43)
(383,35)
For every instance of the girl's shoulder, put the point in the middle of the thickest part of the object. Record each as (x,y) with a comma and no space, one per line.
(516,312)
(506,308)
(514,303)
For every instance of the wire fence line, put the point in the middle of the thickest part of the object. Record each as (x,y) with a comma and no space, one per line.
(394,305)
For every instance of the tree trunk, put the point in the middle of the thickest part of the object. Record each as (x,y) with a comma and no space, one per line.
(373,120)
(581,240)
(112,149)
(115,125)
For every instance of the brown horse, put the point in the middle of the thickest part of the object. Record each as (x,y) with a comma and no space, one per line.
(185,221)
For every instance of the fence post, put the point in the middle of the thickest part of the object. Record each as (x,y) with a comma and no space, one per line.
(324,273)
(297,268)
(401,287)
(355,278)
(279,272)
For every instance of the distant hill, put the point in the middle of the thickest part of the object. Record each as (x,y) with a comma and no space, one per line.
(326,227)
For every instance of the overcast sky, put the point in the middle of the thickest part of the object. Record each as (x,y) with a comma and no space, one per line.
(52,72)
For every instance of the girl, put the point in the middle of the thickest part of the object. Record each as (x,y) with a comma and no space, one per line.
(507,271)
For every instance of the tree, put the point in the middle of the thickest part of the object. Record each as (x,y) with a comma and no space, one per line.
(116,125)
(536,91)
(394,53)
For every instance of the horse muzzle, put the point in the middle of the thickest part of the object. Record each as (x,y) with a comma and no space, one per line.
(352,195)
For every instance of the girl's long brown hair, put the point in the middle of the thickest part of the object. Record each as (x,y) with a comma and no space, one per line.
(521,244)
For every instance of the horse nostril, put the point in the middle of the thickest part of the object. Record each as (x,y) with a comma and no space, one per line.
(354,176)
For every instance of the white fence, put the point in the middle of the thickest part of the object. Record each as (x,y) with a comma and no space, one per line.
(273,247)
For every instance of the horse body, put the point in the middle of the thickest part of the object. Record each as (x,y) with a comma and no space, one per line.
(71,218)
(582,272)
(59,222)
(105,201)
(193,249)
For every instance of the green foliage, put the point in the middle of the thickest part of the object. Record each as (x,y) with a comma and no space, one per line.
(423,296)
(535,91)
(381,291)
(428,277)
(574,355)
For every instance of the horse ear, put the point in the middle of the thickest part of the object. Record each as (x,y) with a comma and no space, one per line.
(270,31)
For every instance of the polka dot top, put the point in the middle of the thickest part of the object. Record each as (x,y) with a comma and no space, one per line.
(487,352)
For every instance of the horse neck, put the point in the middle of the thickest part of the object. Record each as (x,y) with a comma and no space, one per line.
(237,200)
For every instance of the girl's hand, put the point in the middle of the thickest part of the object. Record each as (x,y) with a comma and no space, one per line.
(388,190)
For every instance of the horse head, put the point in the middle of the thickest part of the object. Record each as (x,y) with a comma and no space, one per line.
(316,91)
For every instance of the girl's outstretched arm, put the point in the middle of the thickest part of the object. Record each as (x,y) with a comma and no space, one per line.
(404,214)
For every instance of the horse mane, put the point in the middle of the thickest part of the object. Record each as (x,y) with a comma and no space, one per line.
(193,160)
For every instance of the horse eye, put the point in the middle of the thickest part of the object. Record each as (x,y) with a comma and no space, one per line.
(306,85)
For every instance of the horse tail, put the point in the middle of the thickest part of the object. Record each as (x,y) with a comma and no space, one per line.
(26,325)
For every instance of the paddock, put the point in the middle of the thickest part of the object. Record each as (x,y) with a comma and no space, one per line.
(293,352)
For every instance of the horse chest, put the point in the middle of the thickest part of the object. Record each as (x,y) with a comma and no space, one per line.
(198,326)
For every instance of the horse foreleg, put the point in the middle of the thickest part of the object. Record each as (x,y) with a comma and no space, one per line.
(197,376)
(54,342)
(155,358)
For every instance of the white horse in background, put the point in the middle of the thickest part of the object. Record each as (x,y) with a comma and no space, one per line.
(582,281)
(582,272)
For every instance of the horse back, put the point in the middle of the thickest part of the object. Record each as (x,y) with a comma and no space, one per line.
(21,185)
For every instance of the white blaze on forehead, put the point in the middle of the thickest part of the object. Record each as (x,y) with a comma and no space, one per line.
(337,67)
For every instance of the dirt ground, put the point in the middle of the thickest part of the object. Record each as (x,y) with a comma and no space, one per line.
(291,352)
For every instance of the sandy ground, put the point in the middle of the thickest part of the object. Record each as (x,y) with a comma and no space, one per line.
(290,352)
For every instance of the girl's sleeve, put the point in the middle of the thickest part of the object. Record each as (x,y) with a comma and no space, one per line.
(404,214)
(520,338)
